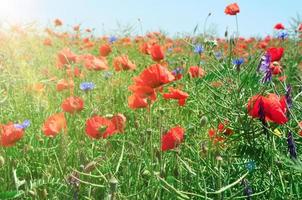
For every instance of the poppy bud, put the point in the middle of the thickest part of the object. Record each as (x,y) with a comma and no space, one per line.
(45,194)
(2,161)
(203,121)
(149,131)
(146,173)
(203,149)
(219,158)
(113,187)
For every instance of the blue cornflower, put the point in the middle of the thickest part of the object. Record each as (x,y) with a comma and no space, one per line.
(250,166)
(264,67)
(198,48)
(238,61)
(218,55)
(85,86)
(282,35)
(112,39)
(24,125)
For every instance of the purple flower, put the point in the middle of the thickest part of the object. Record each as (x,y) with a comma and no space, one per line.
(178,71)
(24,125)
(264,67)
(247,189)
(288,97)
(291,146)
(85,86)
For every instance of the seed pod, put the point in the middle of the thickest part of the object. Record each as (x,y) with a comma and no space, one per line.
(113,185)
(203,121)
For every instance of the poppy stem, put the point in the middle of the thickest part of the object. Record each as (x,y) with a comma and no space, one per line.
(237,27)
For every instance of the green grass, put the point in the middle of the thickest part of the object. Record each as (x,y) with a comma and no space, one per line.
(72,164)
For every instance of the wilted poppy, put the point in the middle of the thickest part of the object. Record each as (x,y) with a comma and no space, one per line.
(274,108)
(73,104)
(10,134)
(54,124)
(232,9)
(172,138)
(177,94)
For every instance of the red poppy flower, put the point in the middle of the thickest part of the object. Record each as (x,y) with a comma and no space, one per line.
(93,63)
(58,22)
(275,68)
(232,9)
(154,76)
(177,94)
(64,84)
(145,48)
(196,72)
(119,121)
(275,53)
(9,134)
(47,42)
(279,26)
(73,104)
(172,138)
(123,63)
(157,53)
(77,72)
(97,127)
(105,50)
(274,108)
(135,102)
(54,124)
(143,91)
(65,56)
(300,28)
(300,126)
(76,28)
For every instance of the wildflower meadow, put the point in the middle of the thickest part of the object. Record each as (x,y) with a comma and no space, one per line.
(84,116)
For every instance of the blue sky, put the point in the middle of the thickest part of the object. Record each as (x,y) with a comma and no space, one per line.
(256,17)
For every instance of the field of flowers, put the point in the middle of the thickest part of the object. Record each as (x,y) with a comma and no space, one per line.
(150,117)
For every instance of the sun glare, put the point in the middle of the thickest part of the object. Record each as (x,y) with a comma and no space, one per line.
(16,11)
